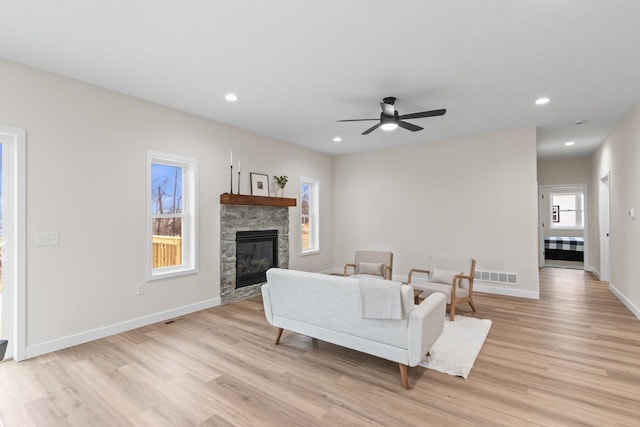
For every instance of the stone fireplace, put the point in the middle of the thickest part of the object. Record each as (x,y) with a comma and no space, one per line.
(262,230)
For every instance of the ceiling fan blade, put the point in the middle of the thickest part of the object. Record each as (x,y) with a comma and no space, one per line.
(371,129)
(431,113)
(387,109)
(409,126)
(357,120)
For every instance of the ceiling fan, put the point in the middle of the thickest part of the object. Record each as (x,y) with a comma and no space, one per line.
(390,119)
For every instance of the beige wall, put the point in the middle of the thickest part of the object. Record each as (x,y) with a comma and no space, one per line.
(620,155)
(86,160)
(473,196)
(576,170)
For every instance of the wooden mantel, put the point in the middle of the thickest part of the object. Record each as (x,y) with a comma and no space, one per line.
(241,199)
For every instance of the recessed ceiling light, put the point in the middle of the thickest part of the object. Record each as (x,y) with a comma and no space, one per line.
(337,139)
(543,100)
(569,143)
(231,97)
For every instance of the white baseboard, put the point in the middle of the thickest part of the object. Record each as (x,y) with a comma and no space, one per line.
(498,290)
(94,334)
(594,271)
(332,271)
(632,308)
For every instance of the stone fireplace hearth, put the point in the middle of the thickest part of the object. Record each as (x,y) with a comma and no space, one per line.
(254,217)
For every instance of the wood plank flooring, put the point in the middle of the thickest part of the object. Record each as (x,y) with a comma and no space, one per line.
(571,358)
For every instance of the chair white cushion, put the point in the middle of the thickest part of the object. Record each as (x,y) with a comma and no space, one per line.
(452,264)
(429,288)
(372,268)
(443,276)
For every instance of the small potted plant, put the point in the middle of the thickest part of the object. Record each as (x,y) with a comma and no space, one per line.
(281,181)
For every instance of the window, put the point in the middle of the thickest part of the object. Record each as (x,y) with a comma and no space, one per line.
(171,218)
(309,215)
(567,210)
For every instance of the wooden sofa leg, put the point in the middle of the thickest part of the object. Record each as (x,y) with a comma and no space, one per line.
(278,336)
(452,311)
(403,376)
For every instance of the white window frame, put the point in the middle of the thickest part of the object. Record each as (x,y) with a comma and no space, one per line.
(189,216)
(314,216)
(579,208)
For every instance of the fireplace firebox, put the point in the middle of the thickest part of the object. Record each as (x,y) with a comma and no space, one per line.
(256,252)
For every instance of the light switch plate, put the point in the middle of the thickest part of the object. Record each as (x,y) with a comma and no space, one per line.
(48,239)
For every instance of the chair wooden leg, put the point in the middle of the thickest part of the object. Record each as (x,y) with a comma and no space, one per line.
(278,336)
(403,376)
(452,311)
(473,307)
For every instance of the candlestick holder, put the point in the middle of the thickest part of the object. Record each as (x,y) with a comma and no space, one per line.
(231,180)
(238,182)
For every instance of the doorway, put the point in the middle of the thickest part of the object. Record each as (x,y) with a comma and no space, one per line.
(13,190)
(564,230)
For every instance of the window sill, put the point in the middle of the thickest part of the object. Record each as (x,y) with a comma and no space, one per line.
(567,228)
(172,272)
(311,252)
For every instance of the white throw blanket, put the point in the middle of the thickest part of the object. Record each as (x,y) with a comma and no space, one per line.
(380,299)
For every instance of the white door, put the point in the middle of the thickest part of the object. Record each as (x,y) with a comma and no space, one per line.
(604,228)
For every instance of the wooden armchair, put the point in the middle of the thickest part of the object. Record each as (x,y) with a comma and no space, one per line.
(452,276)
(371,263)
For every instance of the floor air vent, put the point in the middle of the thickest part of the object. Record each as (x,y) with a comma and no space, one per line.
(496,277)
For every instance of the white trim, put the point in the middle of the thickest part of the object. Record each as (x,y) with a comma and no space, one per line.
(505,291)
(627,303)
(14,273)
(98,333)
(604,215)
(593,270)
(189,215)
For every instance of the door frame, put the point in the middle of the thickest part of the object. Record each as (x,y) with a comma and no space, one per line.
(604,211)
(543,220)
(14,233)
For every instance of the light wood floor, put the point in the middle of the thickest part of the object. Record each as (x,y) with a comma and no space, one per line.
(571,358)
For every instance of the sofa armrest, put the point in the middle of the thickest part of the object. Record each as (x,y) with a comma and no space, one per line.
(426,323)
(266,302)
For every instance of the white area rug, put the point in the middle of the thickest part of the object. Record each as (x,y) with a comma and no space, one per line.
(457,348)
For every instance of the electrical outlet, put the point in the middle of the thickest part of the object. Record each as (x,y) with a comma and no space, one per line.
(140,289)
(47,239)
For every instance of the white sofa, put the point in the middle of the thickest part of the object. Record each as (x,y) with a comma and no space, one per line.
(329,308)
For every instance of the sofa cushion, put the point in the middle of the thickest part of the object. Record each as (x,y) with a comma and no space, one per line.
(371,268)
(443,276)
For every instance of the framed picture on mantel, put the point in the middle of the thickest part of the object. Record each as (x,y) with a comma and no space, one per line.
(259,184)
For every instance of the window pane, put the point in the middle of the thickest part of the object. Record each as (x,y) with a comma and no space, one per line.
(167,242)
(306,237)
(569,211)
(166,189)
(305,188)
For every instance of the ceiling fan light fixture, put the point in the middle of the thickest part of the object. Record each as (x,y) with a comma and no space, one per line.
(389,126)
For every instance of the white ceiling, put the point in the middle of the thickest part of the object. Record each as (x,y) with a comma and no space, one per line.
(298,66)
